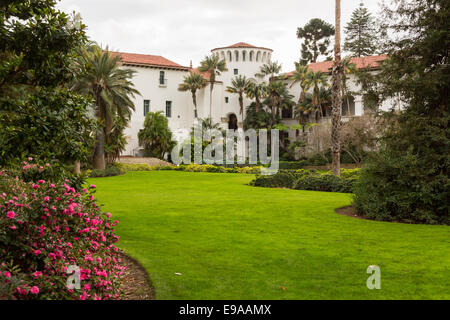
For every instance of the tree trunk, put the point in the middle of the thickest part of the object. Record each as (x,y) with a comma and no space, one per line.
(194,99)
(210,104)
(99,152)
(337,96)
(241,104)
(77,167)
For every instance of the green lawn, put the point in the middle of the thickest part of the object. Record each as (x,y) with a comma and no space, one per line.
(233,241)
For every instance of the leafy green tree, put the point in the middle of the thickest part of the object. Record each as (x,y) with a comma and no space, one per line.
(361,33)
(271,69)
(102,76)
(301,76)
(409,178)
(50,124)
(238,86)
(257,117)
(156,137)
(38,115)
(316,80)
(316,36)
(192,83)
(257,91)
(214,67)
(278,97)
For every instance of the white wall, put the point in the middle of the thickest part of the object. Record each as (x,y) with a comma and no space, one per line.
(146,81)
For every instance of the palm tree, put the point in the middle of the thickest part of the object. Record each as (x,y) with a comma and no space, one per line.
(256,91)
(214,66)
(238,86)
(301,76)
(102,76)
(270,69)
(278,97)
(317,80)
(337,96)
(192,83)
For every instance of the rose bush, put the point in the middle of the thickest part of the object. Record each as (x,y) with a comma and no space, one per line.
(47,228)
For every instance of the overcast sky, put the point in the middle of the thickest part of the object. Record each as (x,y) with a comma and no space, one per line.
(184,30)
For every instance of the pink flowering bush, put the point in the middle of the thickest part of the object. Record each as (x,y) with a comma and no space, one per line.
(49,228)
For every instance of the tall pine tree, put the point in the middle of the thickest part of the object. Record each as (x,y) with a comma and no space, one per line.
(408,179)
(316,36)
(361,39)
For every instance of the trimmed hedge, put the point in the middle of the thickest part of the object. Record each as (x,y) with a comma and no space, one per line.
(108,172)
(189,168)
(309,180)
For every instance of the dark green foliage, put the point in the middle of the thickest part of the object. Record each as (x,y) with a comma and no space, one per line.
(325,183)
(309,180)
(37,44)
(38,116)
(316,34)
(110,171)
(283,179)
(51,124)
(258,119)
(409,180)
(156,136)
(361,33)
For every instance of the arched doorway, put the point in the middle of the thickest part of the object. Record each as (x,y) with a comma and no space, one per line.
(232,122)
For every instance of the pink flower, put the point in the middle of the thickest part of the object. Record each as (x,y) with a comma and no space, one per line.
(52,185)
(41,181)
(13,227)
(37,274)
(47,165)
(34,290)
(92,186)
(47,199)
(37,252)
(7,274)
(11,214)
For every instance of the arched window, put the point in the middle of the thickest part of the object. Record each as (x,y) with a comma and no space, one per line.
(251,55)
(258,56)
(222,55)
(264,57)
(244,55)
(232,122)
(269,56)
(236,55)
(229,56)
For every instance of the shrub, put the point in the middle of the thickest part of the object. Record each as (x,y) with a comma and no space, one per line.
(44,229)
(294,165)
(110,171)
(283,179)
(134,167)
(34,169)
(309,180)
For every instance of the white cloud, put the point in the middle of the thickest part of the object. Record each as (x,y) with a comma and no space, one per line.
(184,30)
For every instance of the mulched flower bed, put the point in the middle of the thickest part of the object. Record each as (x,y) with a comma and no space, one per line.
(137,284)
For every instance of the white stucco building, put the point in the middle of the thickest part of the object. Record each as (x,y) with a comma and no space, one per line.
(157,79)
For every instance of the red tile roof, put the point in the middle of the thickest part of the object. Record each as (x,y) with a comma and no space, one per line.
(242,45)
(371,62)
(136,59)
